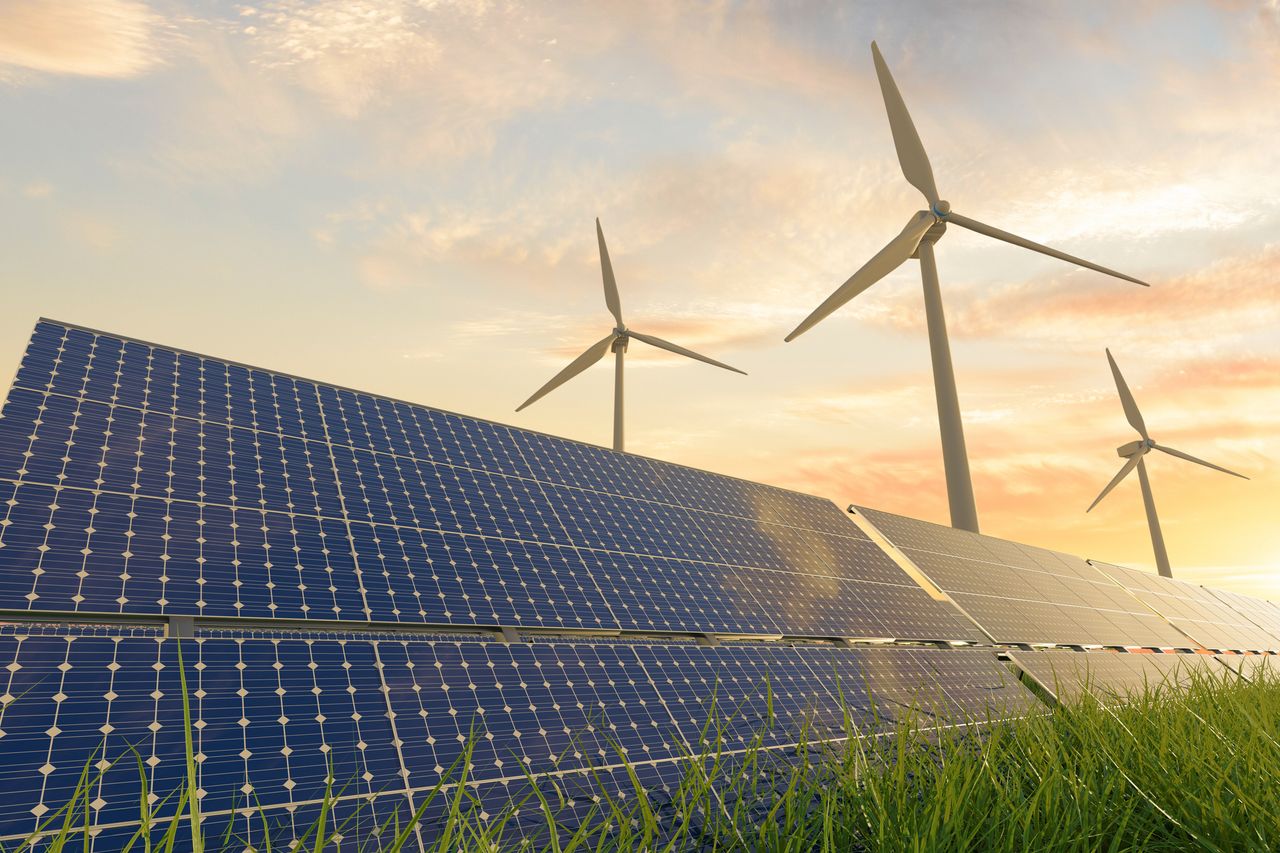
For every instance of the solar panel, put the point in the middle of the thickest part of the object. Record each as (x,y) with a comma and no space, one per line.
(1193,609)
(1108,677)
(141,480)
(1022,594)
(1250,667)
(277,722)
(1264,614)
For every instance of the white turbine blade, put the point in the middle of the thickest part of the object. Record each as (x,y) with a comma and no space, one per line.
(1126,400)
(915,163)
(885,261)
(593,354)
(611,297)
(679,350)
(1128,466)
(982,228)
(1190,458)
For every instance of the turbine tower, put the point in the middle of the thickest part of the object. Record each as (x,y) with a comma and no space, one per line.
(617,342)
(916,241)
(1132,453)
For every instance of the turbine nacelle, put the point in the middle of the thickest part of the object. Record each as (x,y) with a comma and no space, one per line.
(927,226)
(1124,451)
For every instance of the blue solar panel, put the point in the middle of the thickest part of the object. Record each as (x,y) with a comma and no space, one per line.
(141,480)
(275,722)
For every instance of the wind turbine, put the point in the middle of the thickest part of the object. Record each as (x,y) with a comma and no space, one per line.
(1132,453)
(617,341)
(916,241)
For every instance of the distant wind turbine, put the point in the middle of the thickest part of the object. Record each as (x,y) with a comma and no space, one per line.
(916,241)
(617,341)
(1133,453)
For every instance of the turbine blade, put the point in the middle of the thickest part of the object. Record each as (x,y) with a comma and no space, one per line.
(679,350)
(1126,400)
(1190,458)
(1129,465)
(982,228)
(611,297)
(884,262)
(593,354)
(911,156)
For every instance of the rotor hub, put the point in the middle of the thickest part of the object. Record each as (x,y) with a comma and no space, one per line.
(1138,446)
(941,208)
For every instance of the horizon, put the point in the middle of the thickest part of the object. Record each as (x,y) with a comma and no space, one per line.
(385,177)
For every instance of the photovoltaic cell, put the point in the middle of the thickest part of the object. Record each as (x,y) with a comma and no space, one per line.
(139,480)
(278,722)
(1193,609)
(1110,677)
(1023,594)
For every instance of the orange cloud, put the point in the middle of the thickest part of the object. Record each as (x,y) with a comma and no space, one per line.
(90,38)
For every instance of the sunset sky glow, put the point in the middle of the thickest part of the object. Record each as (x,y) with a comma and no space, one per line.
(399,196)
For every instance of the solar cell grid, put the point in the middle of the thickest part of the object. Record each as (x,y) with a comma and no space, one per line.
(1193,609)
(276,720)
(1022,594)
(142,480)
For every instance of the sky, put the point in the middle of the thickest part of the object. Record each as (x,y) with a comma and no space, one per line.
(399,196)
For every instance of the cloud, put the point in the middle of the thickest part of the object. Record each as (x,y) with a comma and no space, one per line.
(351,52)
(1038,467)
(90,38)
(440,77)
(1215,306)
(231,126)
(38,190)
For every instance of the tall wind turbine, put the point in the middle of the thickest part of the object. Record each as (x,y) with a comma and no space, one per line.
(916,241)
(617,342)
(1132,453)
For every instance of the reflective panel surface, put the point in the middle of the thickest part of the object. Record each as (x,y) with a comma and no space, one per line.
(1264,614)
(1110,677)
(1023,594)
(1194,610)
(1250,666)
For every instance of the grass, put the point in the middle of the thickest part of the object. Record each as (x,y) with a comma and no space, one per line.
(1192,768)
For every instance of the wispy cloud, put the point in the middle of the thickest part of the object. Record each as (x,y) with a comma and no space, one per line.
(90,38)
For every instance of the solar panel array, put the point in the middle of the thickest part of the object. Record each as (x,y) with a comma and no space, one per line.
(142,480)
(1023,594)
(276,721)
(1193,609)
(347,560)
